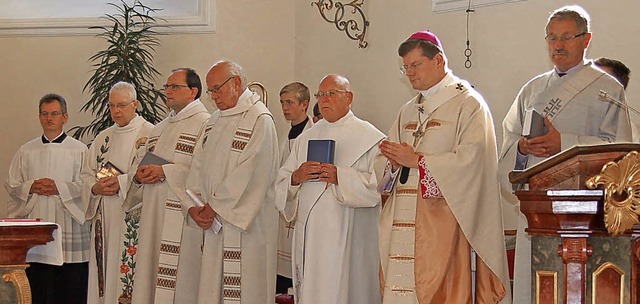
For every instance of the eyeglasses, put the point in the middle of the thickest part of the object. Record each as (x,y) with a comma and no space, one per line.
(52,114)
(412,67)
(120,106)
(174,87)
(329,93)
(215,90)
(564,38)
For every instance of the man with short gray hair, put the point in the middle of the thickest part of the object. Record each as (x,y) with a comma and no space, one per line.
(232,174)
(114,229)
(568,98)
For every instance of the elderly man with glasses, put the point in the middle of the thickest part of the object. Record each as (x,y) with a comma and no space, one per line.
(334,204)
(441,179)
(567,98)
(44,183)
(164,271)
(113,230)
(232,176)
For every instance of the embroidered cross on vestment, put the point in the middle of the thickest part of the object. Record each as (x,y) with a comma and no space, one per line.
(553,106)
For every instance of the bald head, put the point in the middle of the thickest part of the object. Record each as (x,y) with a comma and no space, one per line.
(338,80)
(334,97)
(225,83)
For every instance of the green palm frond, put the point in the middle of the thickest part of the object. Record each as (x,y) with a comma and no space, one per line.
(131,43)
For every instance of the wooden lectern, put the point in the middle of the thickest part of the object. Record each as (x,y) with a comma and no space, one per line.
(15,242)
(576,258)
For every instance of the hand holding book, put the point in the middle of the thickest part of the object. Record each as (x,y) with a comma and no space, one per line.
(319,165)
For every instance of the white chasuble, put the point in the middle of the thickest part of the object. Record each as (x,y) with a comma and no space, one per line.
(581,117)
(335,257)
(161,231)
(114,232)
(233,171)
(458,147)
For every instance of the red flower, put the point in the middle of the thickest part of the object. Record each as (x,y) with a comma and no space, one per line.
(131,250)
(124,268)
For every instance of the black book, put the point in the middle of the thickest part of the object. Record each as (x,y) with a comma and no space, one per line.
(533,125)
(152,159)
(321,150)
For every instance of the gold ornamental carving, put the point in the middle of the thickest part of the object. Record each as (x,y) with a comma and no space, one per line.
(18,278)
(621,183)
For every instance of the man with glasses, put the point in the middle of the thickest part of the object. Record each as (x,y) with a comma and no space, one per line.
(441,179)
(335,205)
(232,174)
(294,100)
(44,183)
(160,185)
(567,97)
(114,229)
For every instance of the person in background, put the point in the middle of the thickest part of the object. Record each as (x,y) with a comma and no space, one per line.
(294,100)
(317,115)
(615,68)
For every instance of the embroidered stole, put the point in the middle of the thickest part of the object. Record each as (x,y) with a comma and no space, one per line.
(98,228)
(399,220)
(232,237)
(128,247)
(173,218)
(562,92)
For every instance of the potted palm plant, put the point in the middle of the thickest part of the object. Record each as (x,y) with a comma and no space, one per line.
(131,42)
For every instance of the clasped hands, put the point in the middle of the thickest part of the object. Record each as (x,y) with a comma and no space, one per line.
(149,174)
(399,154)
(44,186)
(106,186)
(323,172)
(544,145)
(203,216)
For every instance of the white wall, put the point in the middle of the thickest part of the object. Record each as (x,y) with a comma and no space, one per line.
(282,41)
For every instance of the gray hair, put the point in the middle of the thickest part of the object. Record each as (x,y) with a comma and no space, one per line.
(234,69)
(572,12)
(51,97)
(125,88)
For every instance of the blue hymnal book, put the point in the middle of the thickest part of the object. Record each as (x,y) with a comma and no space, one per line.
(321,150)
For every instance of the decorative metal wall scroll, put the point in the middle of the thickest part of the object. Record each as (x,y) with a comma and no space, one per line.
(355,28)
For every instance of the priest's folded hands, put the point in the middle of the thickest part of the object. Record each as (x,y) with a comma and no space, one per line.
(308,170)
(149,174)
(399,154)
(106,186)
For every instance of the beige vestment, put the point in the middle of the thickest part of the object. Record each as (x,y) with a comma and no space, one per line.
(459,150)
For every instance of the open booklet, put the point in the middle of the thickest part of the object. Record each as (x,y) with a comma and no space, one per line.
(217,225)
(108,170)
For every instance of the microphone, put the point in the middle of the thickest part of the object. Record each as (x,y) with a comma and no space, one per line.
(604,96)
(404,175)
